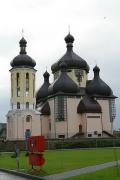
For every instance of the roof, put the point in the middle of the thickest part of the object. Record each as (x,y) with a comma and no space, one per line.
(97,86)
(71,59)
(43,90)
(23,59)
(88,105)
(45,109)
(63,84)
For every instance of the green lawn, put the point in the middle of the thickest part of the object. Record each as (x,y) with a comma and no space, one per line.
(106,174)
(63,160)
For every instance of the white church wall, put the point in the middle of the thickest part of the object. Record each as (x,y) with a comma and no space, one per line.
(94,124)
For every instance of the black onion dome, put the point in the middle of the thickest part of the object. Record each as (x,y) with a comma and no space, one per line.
(97,86)
(22,42)
(71,59)
(23,59)
(88,105)
(64,83)
(43,90)
(69,39)
(45,109)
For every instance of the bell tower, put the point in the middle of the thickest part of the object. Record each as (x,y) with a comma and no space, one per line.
(23,80)
(22,116)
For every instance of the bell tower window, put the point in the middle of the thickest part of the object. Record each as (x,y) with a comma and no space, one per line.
(18,85)
(27,84)
(18,105)
(33,85)
(28,118)
(27,105)
(11,85)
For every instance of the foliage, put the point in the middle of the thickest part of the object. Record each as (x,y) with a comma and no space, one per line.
(87,143)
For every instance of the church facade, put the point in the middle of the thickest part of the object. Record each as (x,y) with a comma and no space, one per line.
(70,106)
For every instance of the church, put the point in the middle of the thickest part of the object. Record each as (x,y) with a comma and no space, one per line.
(72,106)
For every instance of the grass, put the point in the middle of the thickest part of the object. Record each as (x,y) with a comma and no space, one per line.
(106,174)
(63,160)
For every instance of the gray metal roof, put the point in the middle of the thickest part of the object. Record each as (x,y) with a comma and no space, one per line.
(88,105)
(97,86)
(23,59)
(71,59)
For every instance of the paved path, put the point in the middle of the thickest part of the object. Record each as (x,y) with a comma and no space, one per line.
(8,176)
(76,172)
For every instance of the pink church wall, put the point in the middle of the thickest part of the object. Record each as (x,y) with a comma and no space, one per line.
(61,128)
(35,125)
(83,123)
(45,123)
(71,125)
(73,118)
(51,103)
(107,126)
(19,125)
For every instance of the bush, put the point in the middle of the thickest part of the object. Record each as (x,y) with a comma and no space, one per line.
(87,143)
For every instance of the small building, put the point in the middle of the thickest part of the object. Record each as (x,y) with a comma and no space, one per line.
(70,106)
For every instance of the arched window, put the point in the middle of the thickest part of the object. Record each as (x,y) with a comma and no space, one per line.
(33,106)
(33,85)
(60,108)
(18,105)
(28,118)
(27,84)
(12,85)
(18,84)
(18,79)
(80,128)
(12,105)
(27,105)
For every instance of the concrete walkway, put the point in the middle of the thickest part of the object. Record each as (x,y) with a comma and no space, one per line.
(8,176)
(61,176)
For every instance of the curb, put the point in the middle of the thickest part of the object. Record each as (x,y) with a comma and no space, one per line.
(20,174)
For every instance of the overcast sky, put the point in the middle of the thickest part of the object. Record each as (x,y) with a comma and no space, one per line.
(95,25)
